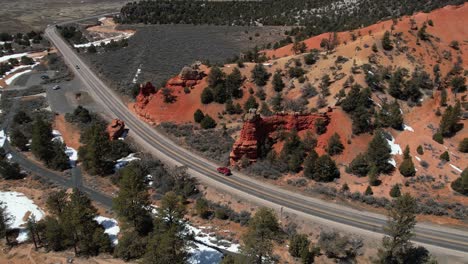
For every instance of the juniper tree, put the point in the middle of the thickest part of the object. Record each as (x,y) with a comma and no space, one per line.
(407,167)
(335,146)
(397,247)
(132,201)
(278,84)
(263,229)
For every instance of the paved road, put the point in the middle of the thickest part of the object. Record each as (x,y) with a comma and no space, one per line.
(239,184)
(76,177)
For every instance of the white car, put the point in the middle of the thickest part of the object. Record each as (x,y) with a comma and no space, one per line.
(56,87)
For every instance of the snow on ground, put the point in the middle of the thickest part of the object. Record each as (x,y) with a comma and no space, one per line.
(15,76)
(20,67)
(408,128)
(396,149)
(72,155)
(418,158)
(19,206)
(12,56)
(392,161)
(135,78)
(70,152)
(210,240)
(111,227)
(124,35)
(204,255)
(456,168)
(2,138)
(120,163)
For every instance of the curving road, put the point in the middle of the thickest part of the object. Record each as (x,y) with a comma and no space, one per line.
(238,184)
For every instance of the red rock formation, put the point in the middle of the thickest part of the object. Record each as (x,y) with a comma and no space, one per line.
(115,129)
(146,91)
(256,129)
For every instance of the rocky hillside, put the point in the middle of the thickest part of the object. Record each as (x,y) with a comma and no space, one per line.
(393,96)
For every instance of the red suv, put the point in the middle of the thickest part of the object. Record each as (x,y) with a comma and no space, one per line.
(224,170)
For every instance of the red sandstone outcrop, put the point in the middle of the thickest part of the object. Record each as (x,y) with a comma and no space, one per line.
(188,77)
(115,129)
(256,129)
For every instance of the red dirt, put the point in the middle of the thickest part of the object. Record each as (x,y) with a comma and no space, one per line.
(70,133)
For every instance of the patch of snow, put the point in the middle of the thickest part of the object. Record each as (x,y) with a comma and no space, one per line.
(392,161)
(120,163)
(56,133)
(408,128)
(72,155)
(12,56)
(149,179)
(102,19)
(202,236)
(202,254)
(418,158)
(20,67)
(2,138)
(111,227)
(18,206)
(456,168)
(124,35)
(15,76)
(396,149)
(135,78)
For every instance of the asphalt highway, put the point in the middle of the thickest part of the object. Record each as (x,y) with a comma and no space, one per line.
(238,184)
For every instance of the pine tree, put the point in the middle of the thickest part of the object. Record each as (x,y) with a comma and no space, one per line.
(233,83)
(262,230)
(407,167)
(198,115)
(420,150)
(397,247)
(260,75)
(298,243)
(334,145)
(215,77)
(10,170)
(299,47)
(208,122)
(368,191)
(310,164)
(461,184)
(378,153)
(395,191)
(95,150)
(463,146)
(41,144)
(278,84)
(445,156)
(449,122)
(168,243)
(360,165)
(325,169)
(250,103)
(19,140)
(5,222)
(60,159)
(277,102)
(374,176)
(207,96)
(132,199)
(386,42)
(131,246)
